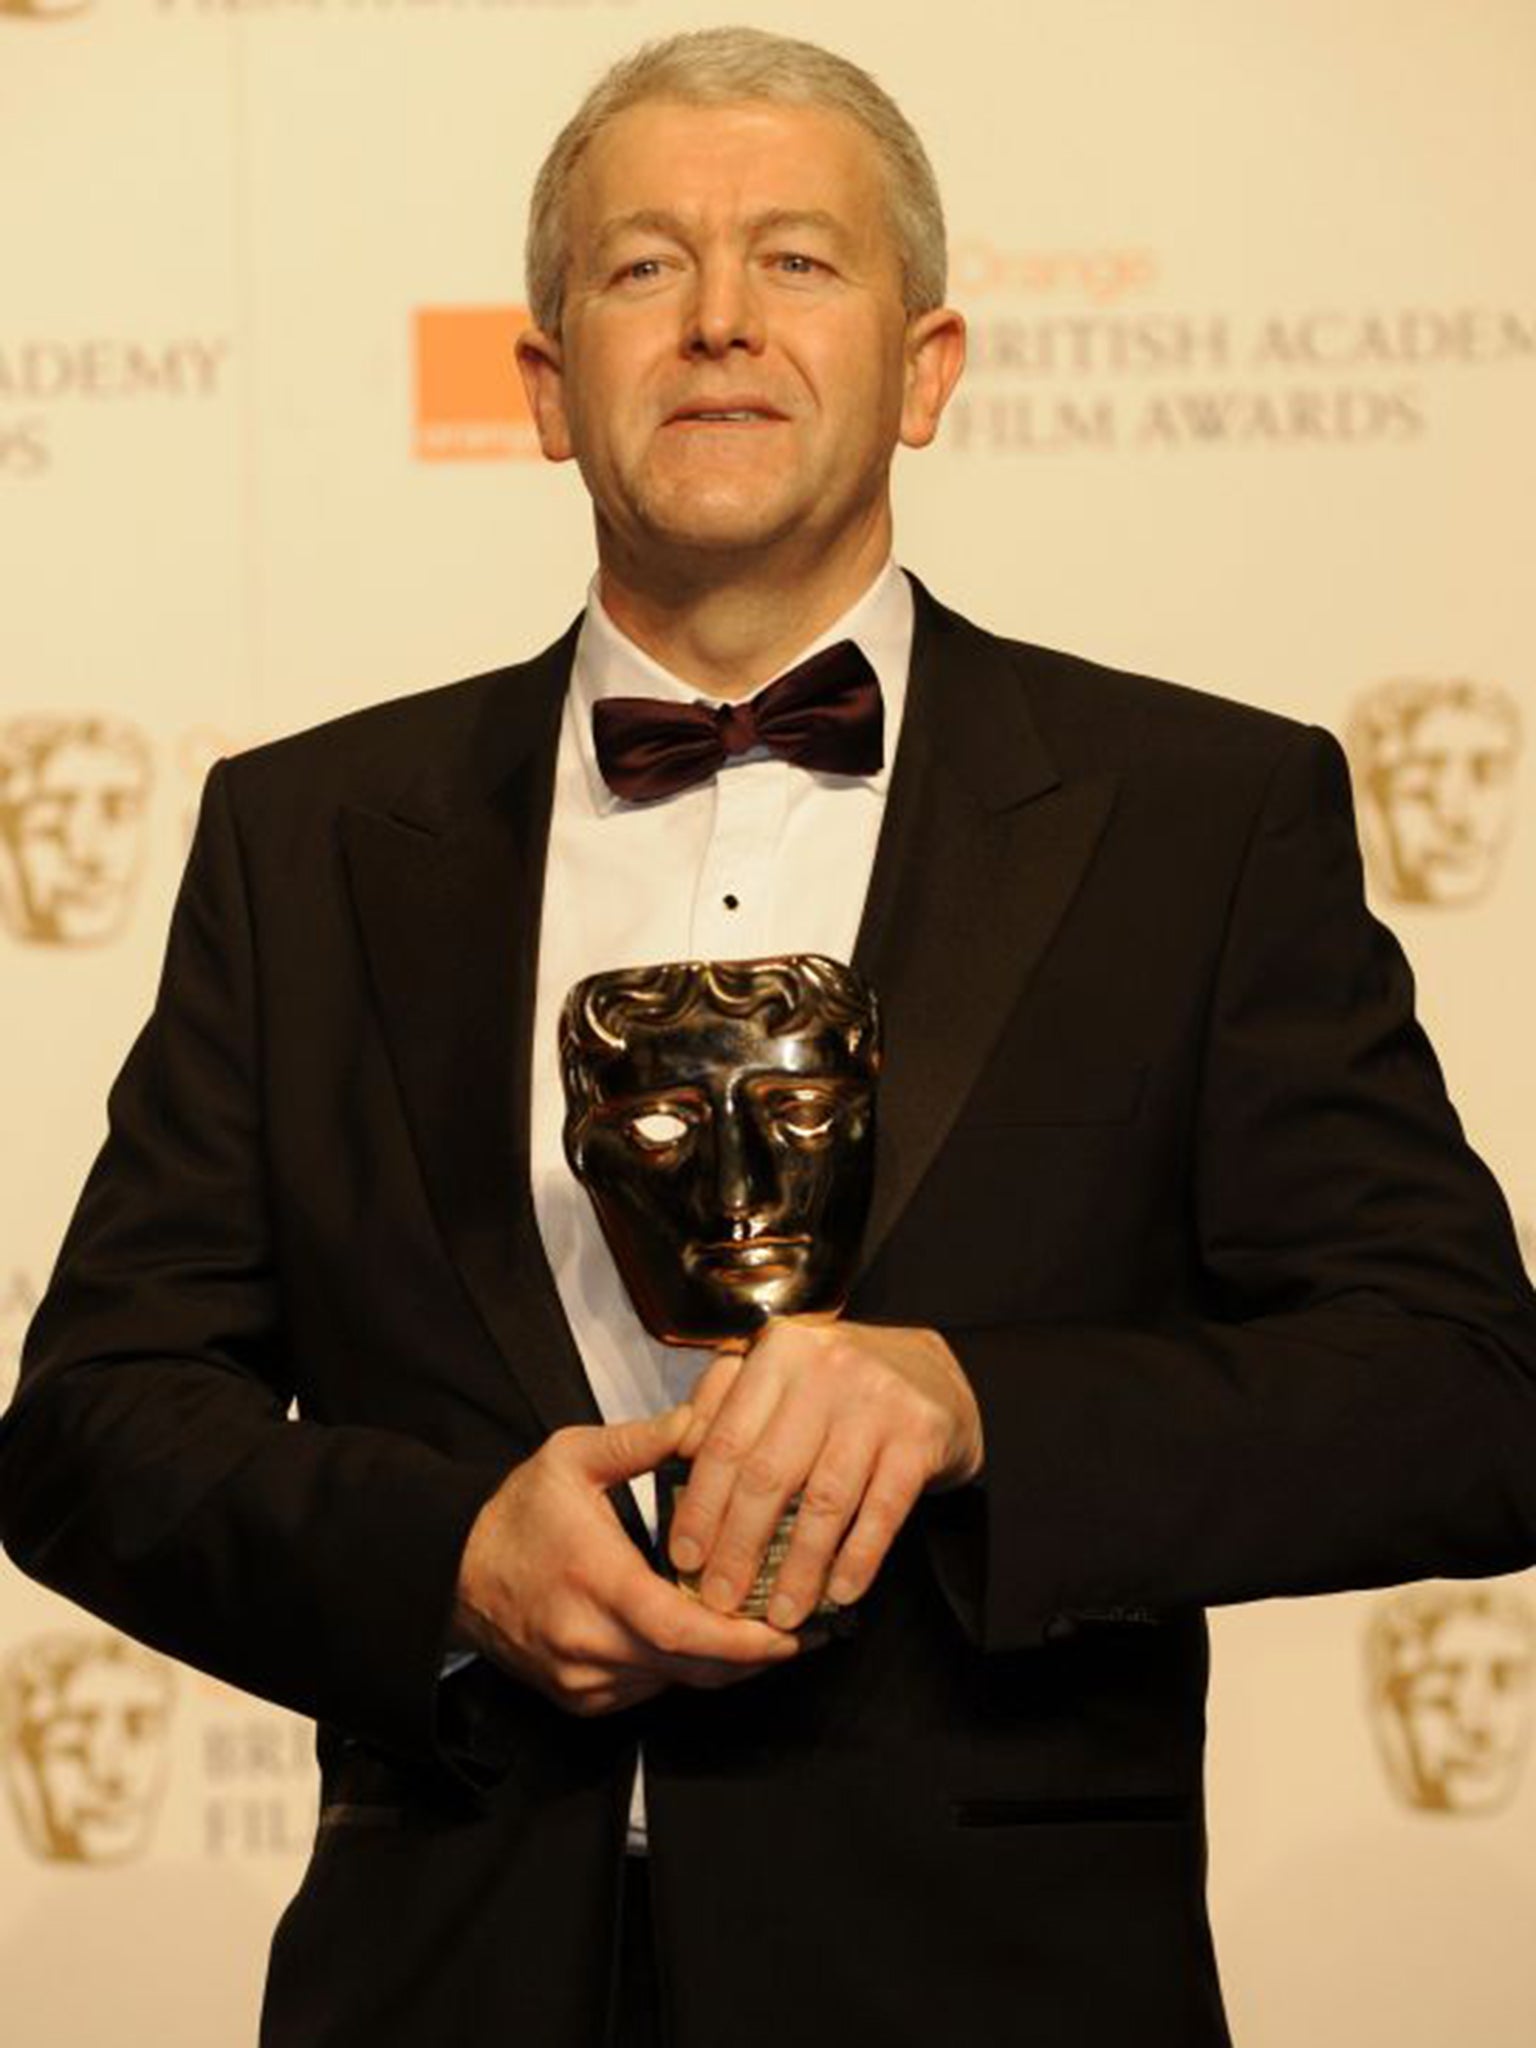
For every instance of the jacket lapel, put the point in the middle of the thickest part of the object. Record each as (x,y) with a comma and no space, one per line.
(982,849)
(448,889)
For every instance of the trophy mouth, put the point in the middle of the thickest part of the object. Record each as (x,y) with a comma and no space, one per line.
(749,1258)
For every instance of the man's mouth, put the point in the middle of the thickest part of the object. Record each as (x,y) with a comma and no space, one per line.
(743,412)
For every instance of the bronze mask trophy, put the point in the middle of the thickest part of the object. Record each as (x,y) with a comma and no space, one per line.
(721,1116)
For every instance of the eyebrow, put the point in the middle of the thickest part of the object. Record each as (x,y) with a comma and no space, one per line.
(660,221)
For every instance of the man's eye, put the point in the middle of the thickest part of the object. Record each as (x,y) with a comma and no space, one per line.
(642,270)
(657,1129)
(797,264)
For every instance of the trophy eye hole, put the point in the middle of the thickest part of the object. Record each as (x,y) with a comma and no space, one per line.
(653,1130)
(807,1115)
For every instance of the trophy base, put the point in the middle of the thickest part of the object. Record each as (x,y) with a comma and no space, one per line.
(826,1616)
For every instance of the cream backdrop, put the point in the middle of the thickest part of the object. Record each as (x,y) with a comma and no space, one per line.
(1252,403)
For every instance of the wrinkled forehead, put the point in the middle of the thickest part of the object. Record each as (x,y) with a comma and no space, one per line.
(713,165)
(711,1049)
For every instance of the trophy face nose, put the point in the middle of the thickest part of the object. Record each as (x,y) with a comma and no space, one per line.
(743,1188)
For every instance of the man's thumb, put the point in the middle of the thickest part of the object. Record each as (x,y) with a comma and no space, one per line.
(623,1450)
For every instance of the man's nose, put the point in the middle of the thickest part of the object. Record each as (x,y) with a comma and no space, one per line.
(726,311)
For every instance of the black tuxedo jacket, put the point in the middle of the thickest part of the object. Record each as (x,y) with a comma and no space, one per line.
(1161,1151)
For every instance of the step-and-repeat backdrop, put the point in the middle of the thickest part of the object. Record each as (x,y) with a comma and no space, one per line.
(1251,403)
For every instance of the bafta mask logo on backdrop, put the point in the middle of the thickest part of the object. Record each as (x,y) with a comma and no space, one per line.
(1453,1688)
(83,1726)
(1434,765)
(469,397)
(73,793)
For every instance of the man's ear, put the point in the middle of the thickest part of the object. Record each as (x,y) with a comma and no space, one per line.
(541,365)
(935,353)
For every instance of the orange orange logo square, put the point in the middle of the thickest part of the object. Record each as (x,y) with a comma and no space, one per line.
(469,398)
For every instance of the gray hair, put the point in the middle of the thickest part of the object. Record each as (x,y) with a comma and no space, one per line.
(727,67)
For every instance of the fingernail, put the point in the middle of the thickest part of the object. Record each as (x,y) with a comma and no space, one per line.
(686,1554)
(781,1611)
(719,1592)
(842,1591)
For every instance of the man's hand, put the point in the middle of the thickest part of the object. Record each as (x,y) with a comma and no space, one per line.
(552,1589)
(857,1418)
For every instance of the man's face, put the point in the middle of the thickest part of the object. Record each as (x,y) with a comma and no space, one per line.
(73,834)
(730,1167)
(735,366)
(1446,802)
(92,1752)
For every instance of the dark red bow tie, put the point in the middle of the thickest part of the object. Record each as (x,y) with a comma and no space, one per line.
(825,713)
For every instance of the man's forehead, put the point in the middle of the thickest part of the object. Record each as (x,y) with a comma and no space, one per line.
(683,225)
(752,160)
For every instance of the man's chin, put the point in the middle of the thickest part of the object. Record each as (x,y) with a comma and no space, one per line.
(735,514)
(727,533)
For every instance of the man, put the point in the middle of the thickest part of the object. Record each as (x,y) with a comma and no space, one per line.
(1179,1284)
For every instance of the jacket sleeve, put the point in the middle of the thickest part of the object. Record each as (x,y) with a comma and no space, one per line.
(149,1468)
(1355,1402)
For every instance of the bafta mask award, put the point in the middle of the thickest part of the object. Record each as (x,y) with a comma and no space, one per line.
(721,1116)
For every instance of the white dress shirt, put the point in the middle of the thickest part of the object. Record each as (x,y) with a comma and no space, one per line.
(765,858)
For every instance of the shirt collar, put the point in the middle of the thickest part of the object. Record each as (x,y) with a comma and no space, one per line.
(609,664)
